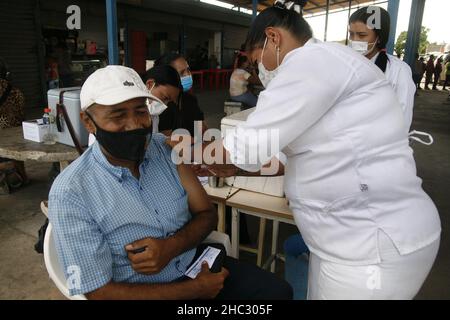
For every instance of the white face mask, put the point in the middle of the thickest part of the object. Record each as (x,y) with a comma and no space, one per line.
(414,133)
(362,47)
(265,75)
(155,107)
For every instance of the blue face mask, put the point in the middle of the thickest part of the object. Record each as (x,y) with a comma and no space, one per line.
(187,83)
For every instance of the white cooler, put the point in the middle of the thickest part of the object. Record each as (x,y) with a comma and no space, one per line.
(271,185)
(73,107)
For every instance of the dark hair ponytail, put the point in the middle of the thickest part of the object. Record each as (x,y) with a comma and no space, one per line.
(382,60)
(284,14)
(363,15)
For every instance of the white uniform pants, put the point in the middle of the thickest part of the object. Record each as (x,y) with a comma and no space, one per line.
(395,278)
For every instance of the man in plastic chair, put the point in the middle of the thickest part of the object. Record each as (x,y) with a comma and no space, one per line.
(127,221)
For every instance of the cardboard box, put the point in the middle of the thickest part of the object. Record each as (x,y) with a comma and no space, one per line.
(34,131)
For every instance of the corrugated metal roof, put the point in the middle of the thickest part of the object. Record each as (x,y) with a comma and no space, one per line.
(312,6)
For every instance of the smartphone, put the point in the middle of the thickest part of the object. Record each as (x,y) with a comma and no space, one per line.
(138,250)
(218,263)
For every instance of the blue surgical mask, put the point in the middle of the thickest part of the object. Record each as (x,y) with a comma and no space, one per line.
(187,83)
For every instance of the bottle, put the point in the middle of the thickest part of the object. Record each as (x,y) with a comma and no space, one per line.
(46,116)
(49,120)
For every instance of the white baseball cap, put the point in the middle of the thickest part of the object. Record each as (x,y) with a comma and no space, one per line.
(112,85)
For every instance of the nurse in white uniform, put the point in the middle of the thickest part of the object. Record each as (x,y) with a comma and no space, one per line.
(350,177)
(369,37)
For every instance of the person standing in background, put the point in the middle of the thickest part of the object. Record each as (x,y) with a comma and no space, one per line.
(437,73)
(371,42)
(419,71)
(424,67)
(429,72)
(447,73)
(63,57)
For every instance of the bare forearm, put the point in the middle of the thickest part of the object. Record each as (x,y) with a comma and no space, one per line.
(230,170)
(190,236)
(243,173)
(127,291)
(226,164)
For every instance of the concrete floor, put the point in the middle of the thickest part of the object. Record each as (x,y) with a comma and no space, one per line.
(22,270)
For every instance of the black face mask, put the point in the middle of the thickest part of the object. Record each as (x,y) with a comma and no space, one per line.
(124,145)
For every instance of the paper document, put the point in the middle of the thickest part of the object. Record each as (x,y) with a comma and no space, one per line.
(209,255)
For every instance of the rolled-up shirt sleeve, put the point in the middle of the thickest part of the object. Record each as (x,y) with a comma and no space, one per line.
(82,250)
(302,92)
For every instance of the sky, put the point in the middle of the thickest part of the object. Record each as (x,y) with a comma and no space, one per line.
(436,18)
(436,15)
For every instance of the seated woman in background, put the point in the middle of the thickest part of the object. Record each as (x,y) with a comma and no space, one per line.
(186,112)
(165,84)
(241,77)
(12,101)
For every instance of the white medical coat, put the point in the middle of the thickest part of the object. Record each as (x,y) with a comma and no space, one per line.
(399,75)
(350,170)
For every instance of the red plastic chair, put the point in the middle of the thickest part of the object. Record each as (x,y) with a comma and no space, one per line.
(200,73)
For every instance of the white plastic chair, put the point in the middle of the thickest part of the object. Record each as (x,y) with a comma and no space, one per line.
(219,237)
(54,268)
(57,275)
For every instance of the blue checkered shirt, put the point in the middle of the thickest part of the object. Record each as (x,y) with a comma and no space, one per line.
(96,209)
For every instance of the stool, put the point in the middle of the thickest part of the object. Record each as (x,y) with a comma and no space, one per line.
(259,249)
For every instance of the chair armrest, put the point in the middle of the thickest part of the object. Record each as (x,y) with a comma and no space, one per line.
(219,237)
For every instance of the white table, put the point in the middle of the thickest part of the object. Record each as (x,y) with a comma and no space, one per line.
(262,206)
(219,197)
